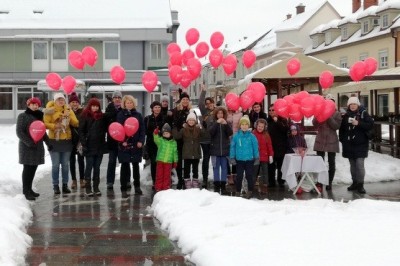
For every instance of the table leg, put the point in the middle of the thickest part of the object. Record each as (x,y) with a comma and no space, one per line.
(306,175)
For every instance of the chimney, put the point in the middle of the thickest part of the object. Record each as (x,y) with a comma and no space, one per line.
(368,3)
(288,16)
(356,5)
(300,8)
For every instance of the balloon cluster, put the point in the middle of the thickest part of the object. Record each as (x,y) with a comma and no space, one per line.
(364,68)
(118,132)
(54,81)
(254,92)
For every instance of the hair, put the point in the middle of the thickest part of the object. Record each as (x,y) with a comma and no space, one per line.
(220,108)
(87,112)
(180,107)
(209,99)
(130,98)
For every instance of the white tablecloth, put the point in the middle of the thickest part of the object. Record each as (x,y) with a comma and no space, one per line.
(311,164)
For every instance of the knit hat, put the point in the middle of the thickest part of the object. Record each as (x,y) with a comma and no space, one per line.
(155,103)
(353,100)
(93,101)
(58,95)
(184,95)
(166,128)
(33,100)
(73,98)
(117,94)
(244,120)
(191,116)
(165,98)
(294,127)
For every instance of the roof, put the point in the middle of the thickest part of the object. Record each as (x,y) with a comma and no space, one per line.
(88,14)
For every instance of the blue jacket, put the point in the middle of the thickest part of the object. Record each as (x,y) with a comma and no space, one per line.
(244,146)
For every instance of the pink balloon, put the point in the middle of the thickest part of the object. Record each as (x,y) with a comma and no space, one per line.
(37,129)
(298,97)
(370,66)
(248,58)
(307,106)
(186,79)
(175,74)
(172,48)
(281,108)
(232,101)
(194,67)
(258,91)
(176,58)
(289,99)
(216,58)
(326,79)
(216,39)
(229,64)
(293,66)
(118,74)
(295,113)
(202,49)
(149,80)
(319,102)
(116,131)
(327,111)
(358,71)
(53,80)
(131,126)
(76,60)
(192,36)
(89,55)
(68,83)
(186,55)
(246,99)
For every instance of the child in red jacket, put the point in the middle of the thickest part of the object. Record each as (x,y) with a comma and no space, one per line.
(266,154)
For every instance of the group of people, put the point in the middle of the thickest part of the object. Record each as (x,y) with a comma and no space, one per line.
(239,144)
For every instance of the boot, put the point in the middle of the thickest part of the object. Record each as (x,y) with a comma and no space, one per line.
(249,194)
(231,180)
(35,194)
(124,194)
(223,188)
(264,189)
(96,190)
(82,183)
(237,194)
(138,191)
(29,196)
(65,189)
(56,190)
(74,184)
(217,186)
(352,186)
(360,188)
(205,182)
(88,189)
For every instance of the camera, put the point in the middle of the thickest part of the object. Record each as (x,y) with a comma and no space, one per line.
(351,119)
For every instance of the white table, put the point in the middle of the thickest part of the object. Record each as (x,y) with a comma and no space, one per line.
(293,163)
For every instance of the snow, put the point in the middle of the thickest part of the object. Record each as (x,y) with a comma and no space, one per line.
(395,4)
(207,225)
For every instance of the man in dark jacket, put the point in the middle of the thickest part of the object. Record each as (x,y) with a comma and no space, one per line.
(256,113)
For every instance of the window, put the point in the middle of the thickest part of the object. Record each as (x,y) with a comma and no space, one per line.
(365,27)
(343,62)
(111,50)
(60,50)
(383,104)
(364,101)
(383,59)
(156,50)
(6,98)
(363,56)
(40,60)
(315,42)
(385,21)
(328,37)
(344,33)
(24,93)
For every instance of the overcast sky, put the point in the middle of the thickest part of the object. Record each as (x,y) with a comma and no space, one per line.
(238,18)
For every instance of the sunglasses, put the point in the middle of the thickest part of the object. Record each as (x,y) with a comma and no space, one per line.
(271,109)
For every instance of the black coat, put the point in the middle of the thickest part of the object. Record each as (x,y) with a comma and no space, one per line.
(179,117)
(92,135)
(152,122)
(355,143)
(255,116)
(220,140)
(279,135)
(110,116)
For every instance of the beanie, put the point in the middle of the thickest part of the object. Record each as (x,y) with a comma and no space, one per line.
(155,103)
(73,98)
(117,94)
(244,120)
(33,100)
(93,101)
(58,95)
(165,98)
(354,100)
(191,116)
(166,128)
(184,95)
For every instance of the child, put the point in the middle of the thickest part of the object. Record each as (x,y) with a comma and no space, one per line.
(167,157)
(191,152)
(220,132)
(295,140)
(266,153)
(244,154)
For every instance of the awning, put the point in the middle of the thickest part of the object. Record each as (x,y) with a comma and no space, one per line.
(42,85)
(122,88)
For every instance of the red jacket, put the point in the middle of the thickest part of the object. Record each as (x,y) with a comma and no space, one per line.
(264,145)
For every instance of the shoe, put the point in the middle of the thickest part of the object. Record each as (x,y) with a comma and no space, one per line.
(35,194)
(271,185)
(230,180)
(237,194)
(97,192)
(88,191)
(248,195)
(129,186)
(29,196)
(56,190)
(65,189)
(74,184)
(360,189)
(352,187)
(205,185)
(82,182)
(138,191)
(264,189)
(110,186)
(124,194)
(328,187)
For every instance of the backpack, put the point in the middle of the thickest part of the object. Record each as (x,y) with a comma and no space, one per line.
(370,133)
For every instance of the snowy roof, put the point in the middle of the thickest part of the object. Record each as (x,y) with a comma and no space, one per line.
(333,24)
(370,11)
(388,5)
(88,14)
(245,42)
(352,18)
(265,44)
(75,36)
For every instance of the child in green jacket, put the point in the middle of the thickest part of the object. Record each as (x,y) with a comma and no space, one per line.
(167,157)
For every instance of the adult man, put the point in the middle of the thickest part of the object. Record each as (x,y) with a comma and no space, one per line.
(256,113)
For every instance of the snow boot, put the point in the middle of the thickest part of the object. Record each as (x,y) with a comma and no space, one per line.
(56,190)
(138,191)
(223,188)
(360,188)
(217,186)
(65,189)
(353,186)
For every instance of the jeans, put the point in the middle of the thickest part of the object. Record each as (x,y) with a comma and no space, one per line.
(58,158)
(357,170)
(112,164)
(244,167)
(220,168)
(93,162)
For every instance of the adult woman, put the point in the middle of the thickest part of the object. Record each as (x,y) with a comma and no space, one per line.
(130,151)
(31,154)
(353,135)
(92,134)
(58,117)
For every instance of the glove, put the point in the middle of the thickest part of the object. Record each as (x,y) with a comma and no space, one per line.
(233,161)
(257,161)
(156,131)
(271,159)
(174,165)
(50,147)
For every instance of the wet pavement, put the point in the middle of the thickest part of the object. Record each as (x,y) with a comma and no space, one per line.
(108,230)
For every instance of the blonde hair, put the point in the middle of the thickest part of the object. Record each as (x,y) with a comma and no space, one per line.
(128,98)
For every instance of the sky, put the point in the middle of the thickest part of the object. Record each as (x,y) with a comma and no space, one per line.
(238,18)
(207,225)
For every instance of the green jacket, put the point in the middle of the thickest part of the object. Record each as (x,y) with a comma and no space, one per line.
(167,149)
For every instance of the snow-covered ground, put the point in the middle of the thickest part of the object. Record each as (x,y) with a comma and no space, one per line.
(215,230)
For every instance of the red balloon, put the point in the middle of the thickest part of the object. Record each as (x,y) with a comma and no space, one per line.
(117,131)
(202,49)
(68,83)
(258,91)
(246,99)
(370,65)
(149,80)
(53,80)
(118,74)
(327,111)
(37,129)
(192,36)
(248,58)
(186,55)
(216,39)
(175,74)
(131,126)
(186,79)
(326,79)
(298,97)
(357,71)
(194,67)
(293,66)
(176,58)
(307,106)
(89,55)
(216,58)
(289,99)
(232,101)
(172,48)
(319,102)
(281,108)
(229,64)
(76,60)
(295,113)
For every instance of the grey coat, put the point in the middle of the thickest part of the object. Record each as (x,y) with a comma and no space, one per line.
(327,138)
